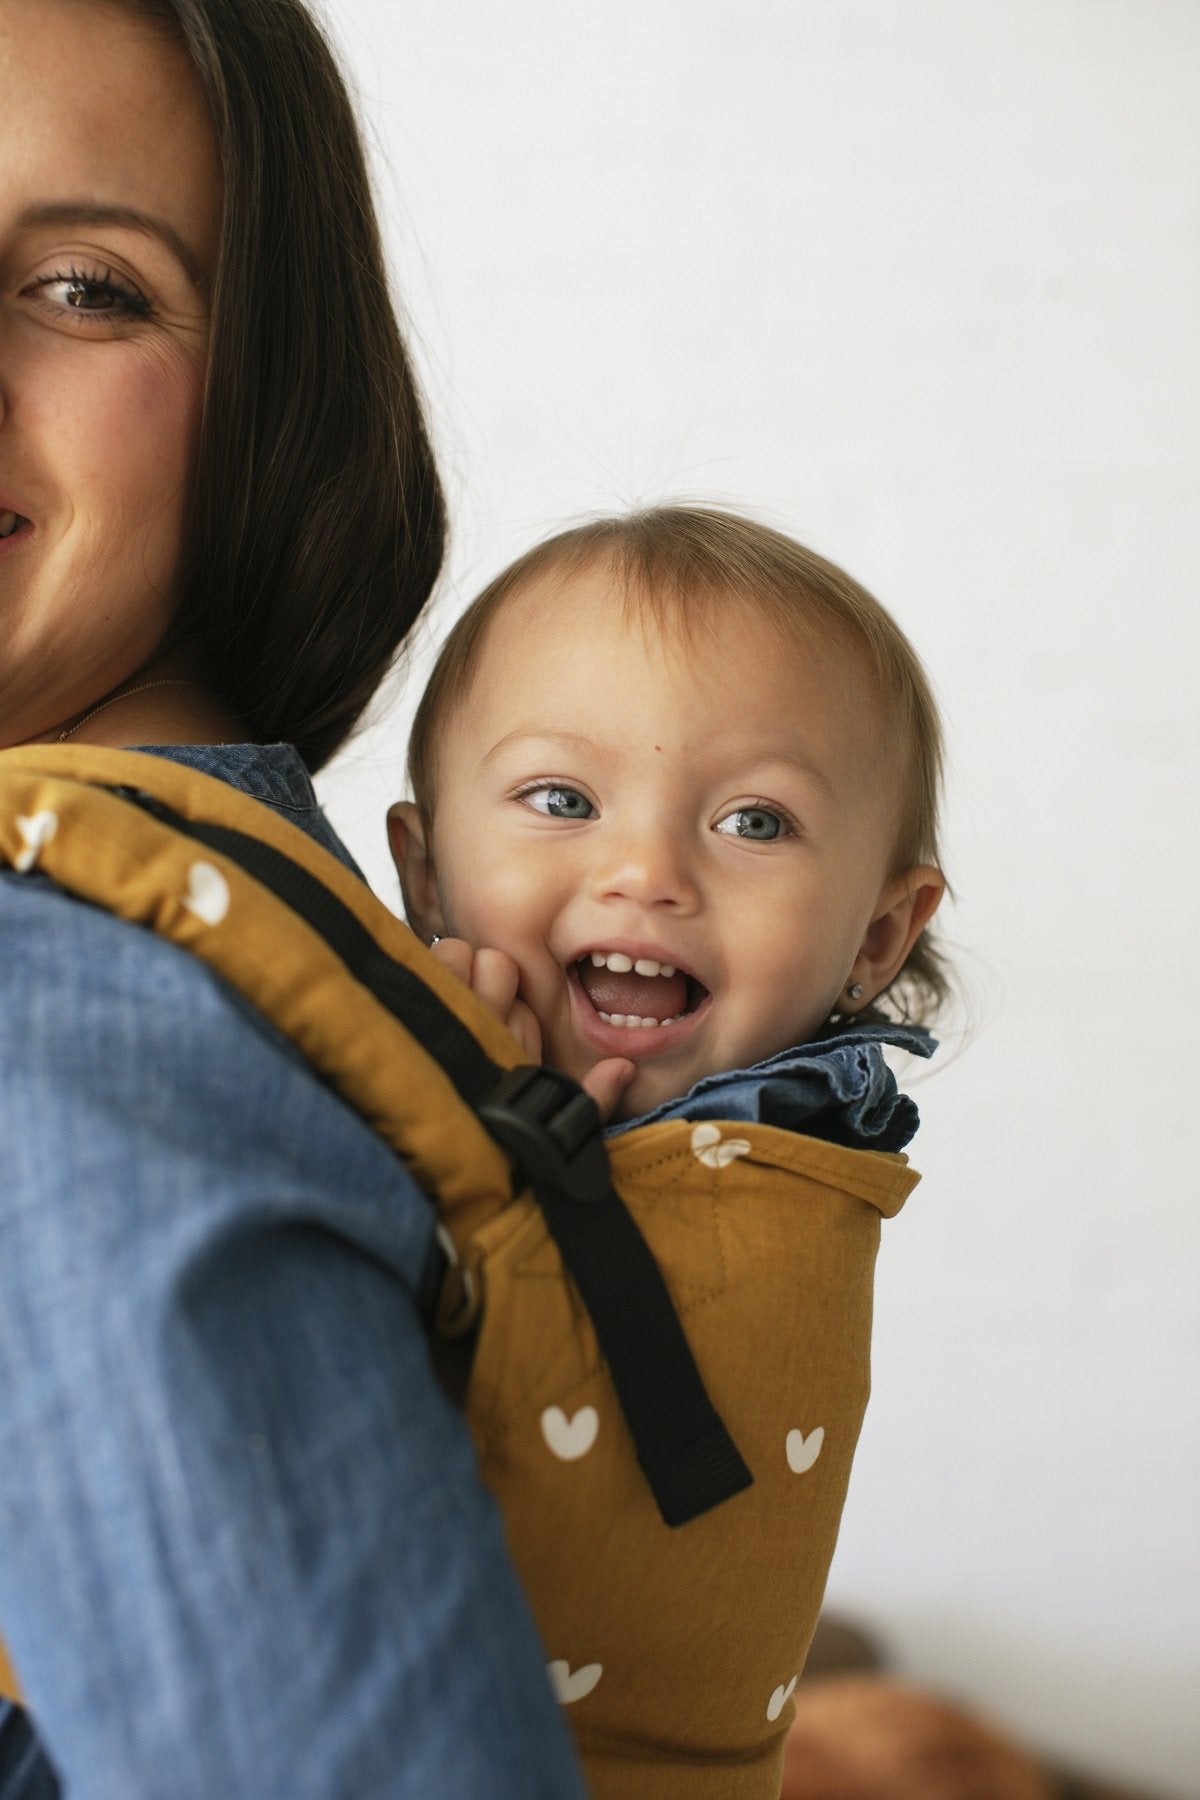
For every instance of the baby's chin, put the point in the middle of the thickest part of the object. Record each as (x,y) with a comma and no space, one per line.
(648,1089)
(652,1087)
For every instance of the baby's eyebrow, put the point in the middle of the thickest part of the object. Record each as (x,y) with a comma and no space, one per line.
(796,759)
(758,756)
(573,741)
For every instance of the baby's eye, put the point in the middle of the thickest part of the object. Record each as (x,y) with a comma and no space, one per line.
(757,822)
(559,802)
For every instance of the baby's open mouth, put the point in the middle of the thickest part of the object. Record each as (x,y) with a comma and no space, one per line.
(637,993)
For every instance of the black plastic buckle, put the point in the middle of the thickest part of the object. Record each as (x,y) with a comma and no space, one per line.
(551,1129)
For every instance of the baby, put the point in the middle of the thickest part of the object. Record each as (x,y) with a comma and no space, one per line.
(675,786)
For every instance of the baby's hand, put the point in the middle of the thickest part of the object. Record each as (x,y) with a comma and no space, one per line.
(494,978)
(607,1081)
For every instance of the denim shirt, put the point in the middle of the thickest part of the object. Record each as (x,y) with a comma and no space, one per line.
(243,1549)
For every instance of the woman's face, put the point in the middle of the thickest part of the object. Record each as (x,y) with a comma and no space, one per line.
(110,199)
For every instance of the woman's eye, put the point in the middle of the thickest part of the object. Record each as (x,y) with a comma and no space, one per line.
(559,802)
(757,822)
(73,291)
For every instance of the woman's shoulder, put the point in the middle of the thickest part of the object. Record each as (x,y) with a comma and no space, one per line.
(117,1041)
(64,956)
(120,1050)
(87,991)
(53,943)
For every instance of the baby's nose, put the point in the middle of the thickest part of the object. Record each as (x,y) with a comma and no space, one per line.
(651,868)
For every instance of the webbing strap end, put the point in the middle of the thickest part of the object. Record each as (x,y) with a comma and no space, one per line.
(698,1477)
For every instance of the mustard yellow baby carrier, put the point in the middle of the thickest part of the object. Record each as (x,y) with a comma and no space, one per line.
(670,1358)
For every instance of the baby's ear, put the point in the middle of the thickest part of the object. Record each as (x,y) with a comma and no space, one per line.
(903,910)
(413,858)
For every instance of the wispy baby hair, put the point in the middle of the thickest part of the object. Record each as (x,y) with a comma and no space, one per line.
(684,563)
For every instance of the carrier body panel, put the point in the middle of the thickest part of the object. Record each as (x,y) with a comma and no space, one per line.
(674,1650)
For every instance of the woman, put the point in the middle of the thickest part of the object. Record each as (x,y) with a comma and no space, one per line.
(244,1551)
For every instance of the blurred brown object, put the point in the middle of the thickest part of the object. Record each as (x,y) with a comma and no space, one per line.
(840,1648)
(1081,1787)
(870,1737)
(899,1723)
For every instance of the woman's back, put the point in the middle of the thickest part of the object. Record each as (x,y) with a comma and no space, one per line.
(225,1466)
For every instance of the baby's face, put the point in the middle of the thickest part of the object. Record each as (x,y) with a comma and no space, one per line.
(684,843)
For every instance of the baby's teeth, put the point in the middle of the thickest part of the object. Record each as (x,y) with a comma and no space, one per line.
(644,966)
(620,964)
(630,1021)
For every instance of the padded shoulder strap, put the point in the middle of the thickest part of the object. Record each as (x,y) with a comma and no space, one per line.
(404,1042)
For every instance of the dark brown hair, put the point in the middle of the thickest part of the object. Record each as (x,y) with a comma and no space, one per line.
(316,527)
(683,562)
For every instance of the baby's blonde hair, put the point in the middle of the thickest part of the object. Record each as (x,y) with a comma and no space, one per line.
(684,562)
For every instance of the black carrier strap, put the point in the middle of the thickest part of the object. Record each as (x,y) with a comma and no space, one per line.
(552,1131)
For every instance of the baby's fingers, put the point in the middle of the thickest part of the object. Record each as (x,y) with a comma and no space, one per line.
(495,980)
(456,955)
(607,1081)
(493,977)
(526,1030)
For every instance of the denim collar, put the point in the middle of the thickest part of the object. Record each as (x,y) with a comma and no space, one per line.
(272,773)
(839,1088)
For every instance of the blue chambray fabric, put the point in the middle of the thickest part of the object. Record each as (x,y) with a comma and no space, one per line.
(272,773)
(839,1088)
(243,1550)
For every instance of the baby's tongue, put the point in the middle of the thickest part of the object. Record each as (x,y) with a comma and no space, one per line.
(642,996)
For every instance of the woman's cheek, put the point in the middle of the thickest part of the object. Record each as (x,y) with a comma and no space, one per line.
(158,416)
(140,485)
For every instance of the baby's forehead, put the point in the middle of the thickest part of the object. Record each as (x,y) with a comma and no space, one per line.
(781,663)
(725,678)
(694,623)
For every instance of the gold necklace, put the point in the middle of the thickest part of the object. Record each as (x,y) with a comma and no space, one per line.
(143,688)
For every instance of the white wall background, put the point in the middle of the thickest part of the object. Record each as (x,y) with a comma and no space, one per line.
(918,280)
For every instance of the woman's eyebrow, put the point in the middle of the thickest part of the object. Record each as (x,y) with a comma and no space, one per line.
(127,218)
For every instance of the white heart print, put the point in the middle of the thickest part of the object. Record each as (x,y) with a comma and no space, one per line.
(35,832)
(779,1699)
(570,1438)
(716,1152)
(571,1687)
(208,893)
(802,1452)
